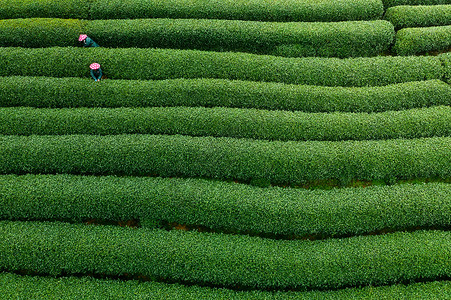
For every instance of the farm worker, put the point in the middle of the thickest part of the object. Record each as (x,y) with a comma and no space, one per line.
(87,41)
(96,72)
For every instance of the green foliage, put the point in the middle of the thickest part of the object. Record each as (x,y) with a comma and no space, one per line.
(334,39)
(226,158)
(134,63)
(34,33)
(227,260)
(228,122)
(390,3)
(78,288)
(257,10)
(411,41)
(77,92)
(419,16)
(74,9)
(225,206)
(446,60)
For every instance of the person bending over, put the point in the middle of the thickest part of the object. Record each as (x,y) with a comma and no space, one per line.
(87,41)
(96,72)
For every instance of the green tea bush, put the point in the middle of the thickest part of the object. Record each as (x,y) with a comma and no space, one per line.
(333,39)
(257,10)
(71,9)
(411,41)
(225,206)
(390,3)
(330,39)
(78,92)
(144,64)
(38,287)
(226,260)
(446,61)
(35,33)
(419,16)
(226,158)
(228,122)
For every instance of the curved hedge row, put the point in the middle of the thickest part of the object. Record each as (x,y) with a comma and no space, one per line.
(133,63)
(224,206)
(77,9)
(227,260)
(333,39)
(445,58)
(411,41)
(228,122)
(419,16)
(257,10)
(77,288)
(35,33)
(78,92)
(226,158)
(390,3)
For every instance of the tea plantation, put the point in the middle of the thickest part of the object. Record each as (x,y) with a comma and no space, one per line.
(245,149)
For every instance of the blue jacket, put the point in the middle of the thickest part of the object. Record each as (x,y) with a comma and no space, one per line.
(88,42)
(96,74)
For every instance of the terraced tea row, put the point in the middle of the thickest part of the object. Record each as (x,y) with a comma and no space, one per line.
(334,39)
(228,122)
(75,288)
(77,92)
(390,3)
(227,158)
(258,10)
(226,260)
(226,206)
(419,16)
(149,64)
(411,41)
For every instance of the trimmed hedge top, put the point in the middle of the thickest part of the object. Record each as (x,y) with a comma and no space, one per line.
(227,158)
(228,122)
(225,206)
(390,3)
(419,16)
(78,92)
(328,39)
(227,260)
(257,10)
(133,63)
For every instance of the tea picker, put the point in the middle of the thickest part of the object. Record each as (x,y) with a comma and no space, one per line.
(96,72)
(87,41)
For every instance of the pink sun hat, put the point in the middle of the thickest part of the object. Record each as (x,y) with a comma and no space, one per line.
(82,37)
(94,66)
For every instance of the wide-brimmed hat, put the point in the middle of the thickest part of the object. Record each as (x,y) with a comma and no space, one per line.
(82,37)
(94,66)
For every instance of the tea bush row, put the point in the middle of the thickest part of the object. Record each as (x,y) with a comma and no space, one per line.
(38,287)
(77,92)
(411,41)
(76,9)
(257,10)
(148,64)
(226,260)
(390,3)
(228,122)
(225,206)
(446,61)
(226,158)
(329,39)
(419,16)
